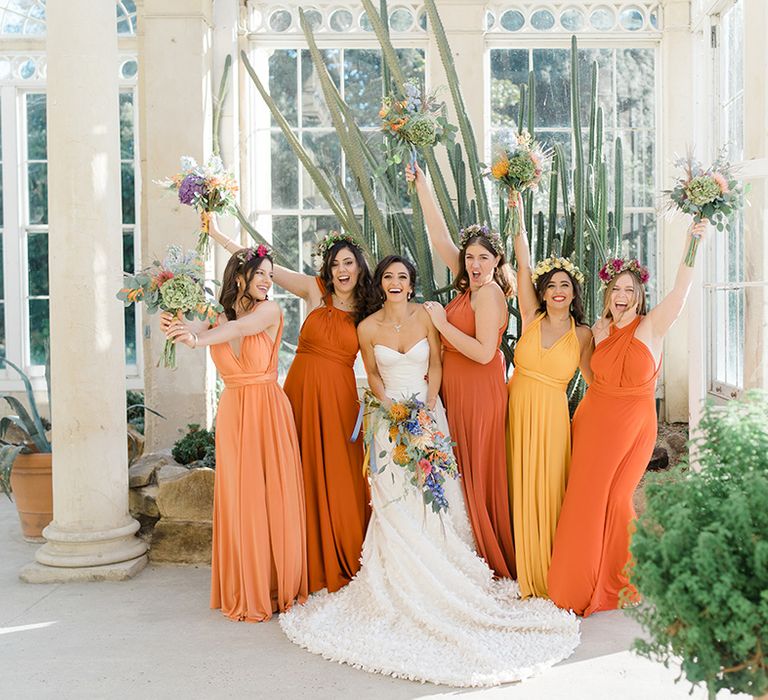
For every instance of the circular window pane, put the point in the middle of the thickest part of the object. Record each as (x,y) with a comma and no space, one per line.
(490,20)
(542,20)
(632,19)
(27,69)
(400,19)
(423,20)
(341,21)
(602,19)
(512,20)
(654,19)
(365,23)
(129,69)
(280,21)
(572,20)
(314,19)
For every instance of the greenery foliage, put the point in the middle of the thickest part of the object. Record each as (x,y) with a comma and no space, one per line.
(701,554)
(198,445)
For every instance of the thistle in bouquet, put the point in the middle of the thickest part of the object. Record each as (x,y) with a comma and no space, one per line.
(419,447)
(209,188)
(518,167)
(177,285)
(713,194)
(414,122)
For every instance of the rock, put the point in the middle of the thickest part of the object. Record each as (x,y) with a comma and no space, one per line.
(677,443)
(187,497)
(142,471)
(181,542)
(135,444)
(142,501)
(659,460)
(169,472)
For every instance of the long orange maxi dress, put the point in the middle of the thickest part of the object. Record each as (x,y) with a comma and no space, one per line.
(475,398)
(323,393)
(259,549)
(614,432)
(539,449)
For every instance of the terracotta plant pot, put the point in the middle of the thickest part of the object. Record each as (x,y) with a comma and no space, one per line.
(32,487)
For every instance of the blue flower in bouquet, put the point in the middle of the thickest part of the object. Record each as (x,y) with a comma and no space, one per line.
(191,189)
(413,427)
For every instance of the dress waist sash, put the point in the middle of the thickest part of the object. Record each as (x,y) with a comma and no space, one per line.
(234,381)
(306,348)
(539,377)
(647,390)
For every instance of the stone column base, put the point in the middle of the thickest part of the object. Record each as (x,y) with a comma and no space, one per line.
(122,571)
(90,548)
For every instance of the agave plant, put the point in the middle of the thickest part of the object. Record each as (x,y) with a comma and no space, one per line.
(29,425)
(579,191)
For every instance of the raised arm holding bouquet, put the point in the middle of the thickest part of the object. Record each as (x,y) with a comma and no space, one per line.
(712,193)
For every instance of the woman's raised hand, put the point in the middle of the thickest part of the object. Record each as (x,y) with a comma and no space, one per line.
(697,229)
(166,319)
(179,332)
(413,174)
(436,313)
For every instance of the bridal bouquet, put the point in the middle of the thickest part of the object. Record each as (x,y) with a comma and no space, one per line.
(208,188)
(712,193)
(518,167)
(177,285)
(418,446)
(418,121)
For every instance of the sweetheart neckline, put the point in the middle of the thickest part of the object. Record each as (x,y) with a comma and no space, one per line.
(379,345)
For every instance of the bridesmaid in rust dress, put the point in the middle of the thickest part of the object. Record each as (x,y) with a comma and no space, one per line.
(259,549)
(614,432)
(322,390)
(474,383)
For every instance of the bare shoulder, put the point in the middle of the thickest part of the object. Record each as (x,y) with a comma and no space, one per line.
(584,333)
(491,291)
(271,308)
(600,326)
(368,325)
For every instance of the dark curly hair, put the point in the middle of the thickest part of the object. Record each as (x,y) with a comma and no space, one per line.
(378,276)
(577,305)
(365,296)
(501,275)
(240,264)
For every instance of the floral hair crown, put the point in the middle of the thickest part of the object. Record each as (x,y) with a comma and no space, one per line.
(614,267)
(248,254)
(554,262)
(331,239)
(477,230)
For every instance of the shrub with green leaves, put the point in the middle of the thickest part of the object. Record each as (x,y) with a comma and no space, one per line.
(197,445)
(701,554)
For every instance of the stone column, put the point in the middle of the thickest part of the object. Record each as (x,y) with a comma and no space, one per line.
(92,536)
(677,98)
(175,109)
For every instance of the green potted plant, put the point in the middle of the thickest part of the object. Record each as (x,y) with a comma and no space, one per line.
(25,461)
(700,555)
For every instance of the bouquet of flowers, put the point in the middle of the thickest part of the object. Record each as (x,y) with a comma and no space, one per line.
(419,447)
(712,193)
(418,121)
(208,188)
(518,167)
(177,285)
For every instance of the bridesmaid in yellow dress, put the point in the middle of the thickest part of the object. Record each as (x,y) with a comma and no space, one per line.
(259,561)
(552,345)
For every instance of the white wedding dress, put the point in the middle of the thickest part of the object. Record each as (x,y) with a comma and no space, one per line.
(424,606)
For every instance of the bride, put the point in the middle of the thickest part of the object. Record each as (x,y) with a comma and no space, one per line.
(424,605)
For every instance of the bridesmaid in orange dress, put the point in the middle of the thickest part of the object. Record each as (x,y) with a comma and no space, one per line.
(259,546)
(614,432)
(322,389)
(474,380)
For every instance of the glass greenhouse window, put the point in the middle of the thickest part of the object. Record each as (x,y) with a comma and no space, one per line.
(288,204)
(727,303)
(27,17)
(627,94)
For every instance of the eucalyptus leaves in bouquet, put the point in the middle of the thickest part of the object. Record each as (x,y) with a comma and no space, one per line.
(701,555)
